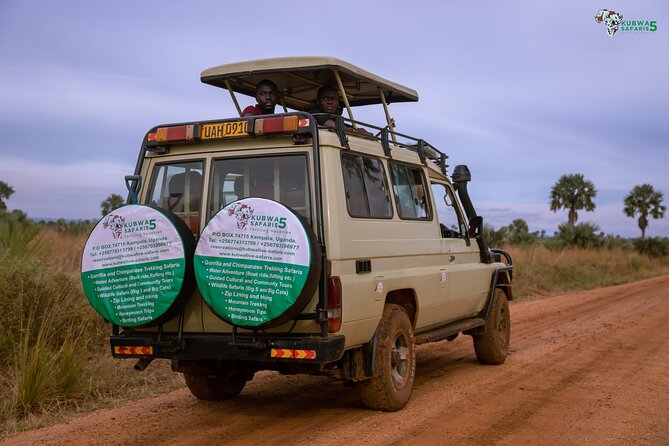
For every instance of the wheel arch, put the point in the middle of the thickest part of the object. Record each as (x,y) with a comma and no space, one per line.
(405,298)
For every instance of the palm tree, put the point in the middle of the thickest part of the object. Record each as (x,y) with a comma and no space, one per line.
(573,192)
(112,202)
(644,200)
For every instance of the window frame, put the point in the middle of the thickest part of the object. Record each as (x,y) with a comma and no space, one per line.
(154,171)
(428,207)
(308,186)
(361,156)
(464,235)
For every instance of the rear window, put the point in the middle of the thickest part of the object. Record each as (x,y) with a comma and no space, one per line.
(279,178)
(177,187)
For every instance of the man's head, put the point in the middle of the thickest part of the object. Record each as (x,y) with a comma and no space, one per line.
(327,100)
(267,94)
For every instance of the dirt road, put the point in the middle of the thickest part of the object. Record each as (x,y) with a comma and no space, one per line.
(587,368)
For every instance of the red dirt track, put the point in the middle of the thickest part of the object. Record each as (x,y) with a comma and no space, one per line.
(586,368)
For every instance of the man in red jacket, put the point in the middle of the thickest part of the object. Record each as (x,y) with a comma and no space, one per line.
(267,94)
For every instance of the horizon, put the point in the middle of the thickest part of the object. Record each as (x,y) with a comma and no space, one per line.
(518,99)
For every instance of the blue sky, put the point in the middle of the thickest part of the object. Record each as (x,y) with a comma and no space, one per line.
(522,92)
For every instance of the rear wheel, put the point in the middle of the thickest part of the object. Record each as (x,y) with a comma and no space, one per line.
(493,346)
(389,389)
(219,386)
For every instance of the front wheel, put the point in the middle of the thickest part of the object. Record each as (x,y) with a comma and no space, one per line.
(493,346)
(390,386)
(223,385)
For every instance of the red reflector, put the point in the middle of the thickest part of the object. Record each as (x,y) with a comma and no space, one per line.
(151,137)
(133,350)
(334,304)
(173,134)
(303,123)
(283,124)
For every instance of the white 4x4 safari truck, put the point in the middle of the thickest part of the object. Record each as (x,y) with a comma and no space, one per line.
(274,243)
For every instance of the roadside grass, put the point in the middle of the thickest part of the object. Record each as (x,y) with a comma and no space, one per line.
(54,354)
(540,272)
(55,360)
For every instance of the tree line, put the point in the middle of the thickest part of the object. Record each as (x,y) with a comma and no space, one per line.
(572,192)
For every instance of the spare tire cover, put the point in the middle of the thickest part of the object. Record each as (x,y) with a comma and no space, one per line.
(256,263)
(137,267)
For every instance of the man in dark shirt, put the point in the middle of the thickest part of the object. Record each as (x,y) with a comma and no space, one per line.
(327,101)
(267,95)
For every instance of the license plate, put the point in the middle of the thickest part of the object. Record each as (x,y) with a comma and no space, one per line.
(224,129)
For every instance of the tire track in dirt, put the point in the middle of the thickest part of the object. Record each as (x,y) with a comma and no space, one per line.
(585,368)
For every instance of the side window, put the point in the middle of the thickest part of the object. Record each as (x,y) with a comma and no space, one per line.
(177,187)
(279,178)
(409,191)
(366,187)
(450,222)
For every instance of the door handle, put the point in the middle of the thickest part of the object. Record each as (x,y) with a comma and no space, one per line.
(451,259)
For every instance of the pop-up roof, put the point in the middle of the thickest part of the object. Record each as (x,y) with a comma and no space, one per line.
(299,78)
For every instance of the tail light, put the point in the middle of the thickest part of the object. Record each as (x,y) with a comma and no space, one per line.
(334,304)
(281,124)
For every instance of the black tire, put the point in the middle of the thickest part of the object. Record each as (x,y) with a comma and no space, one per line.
(216,387)
(493,346)
(389,389)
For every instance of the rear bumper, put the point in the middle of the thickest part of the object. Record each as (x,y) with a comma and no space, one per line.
(267,352)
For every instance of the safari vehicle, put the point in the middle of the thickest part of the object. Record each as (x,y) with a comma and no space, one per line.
(392,248)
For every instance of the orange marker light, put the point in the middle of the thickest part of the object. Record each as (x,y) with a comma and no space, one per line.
(282,124)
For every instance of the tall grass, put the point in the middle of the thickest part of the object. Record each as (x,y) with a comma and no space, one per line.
(539,271)
(54,352)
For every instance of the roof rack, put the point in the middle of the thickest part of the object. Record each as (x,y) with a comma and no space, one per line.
(425,150)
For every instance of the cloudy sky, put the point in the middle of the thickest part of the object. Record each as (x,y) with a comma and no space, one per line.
(522,92)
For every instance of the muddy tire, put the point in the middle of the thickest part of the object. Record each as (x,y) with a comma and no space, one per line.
(389,389)
(216,387)
(493,346)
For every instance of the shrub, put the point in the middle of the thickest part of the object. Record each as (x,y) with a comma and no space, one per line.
(652,246)
(582,235)
(495,238)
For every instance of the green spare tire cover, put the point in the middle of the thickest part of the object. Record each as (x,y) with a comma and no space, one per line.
(137,267)
(257,264)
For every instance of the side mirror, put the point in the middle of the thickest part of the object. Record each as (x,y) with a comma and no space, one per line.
(475,227)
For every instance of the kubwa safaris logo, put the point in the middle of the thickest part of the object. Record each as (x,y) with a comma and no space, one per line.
(614,22)
(115,224)
(133,268)
(242,212)
(255,263)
